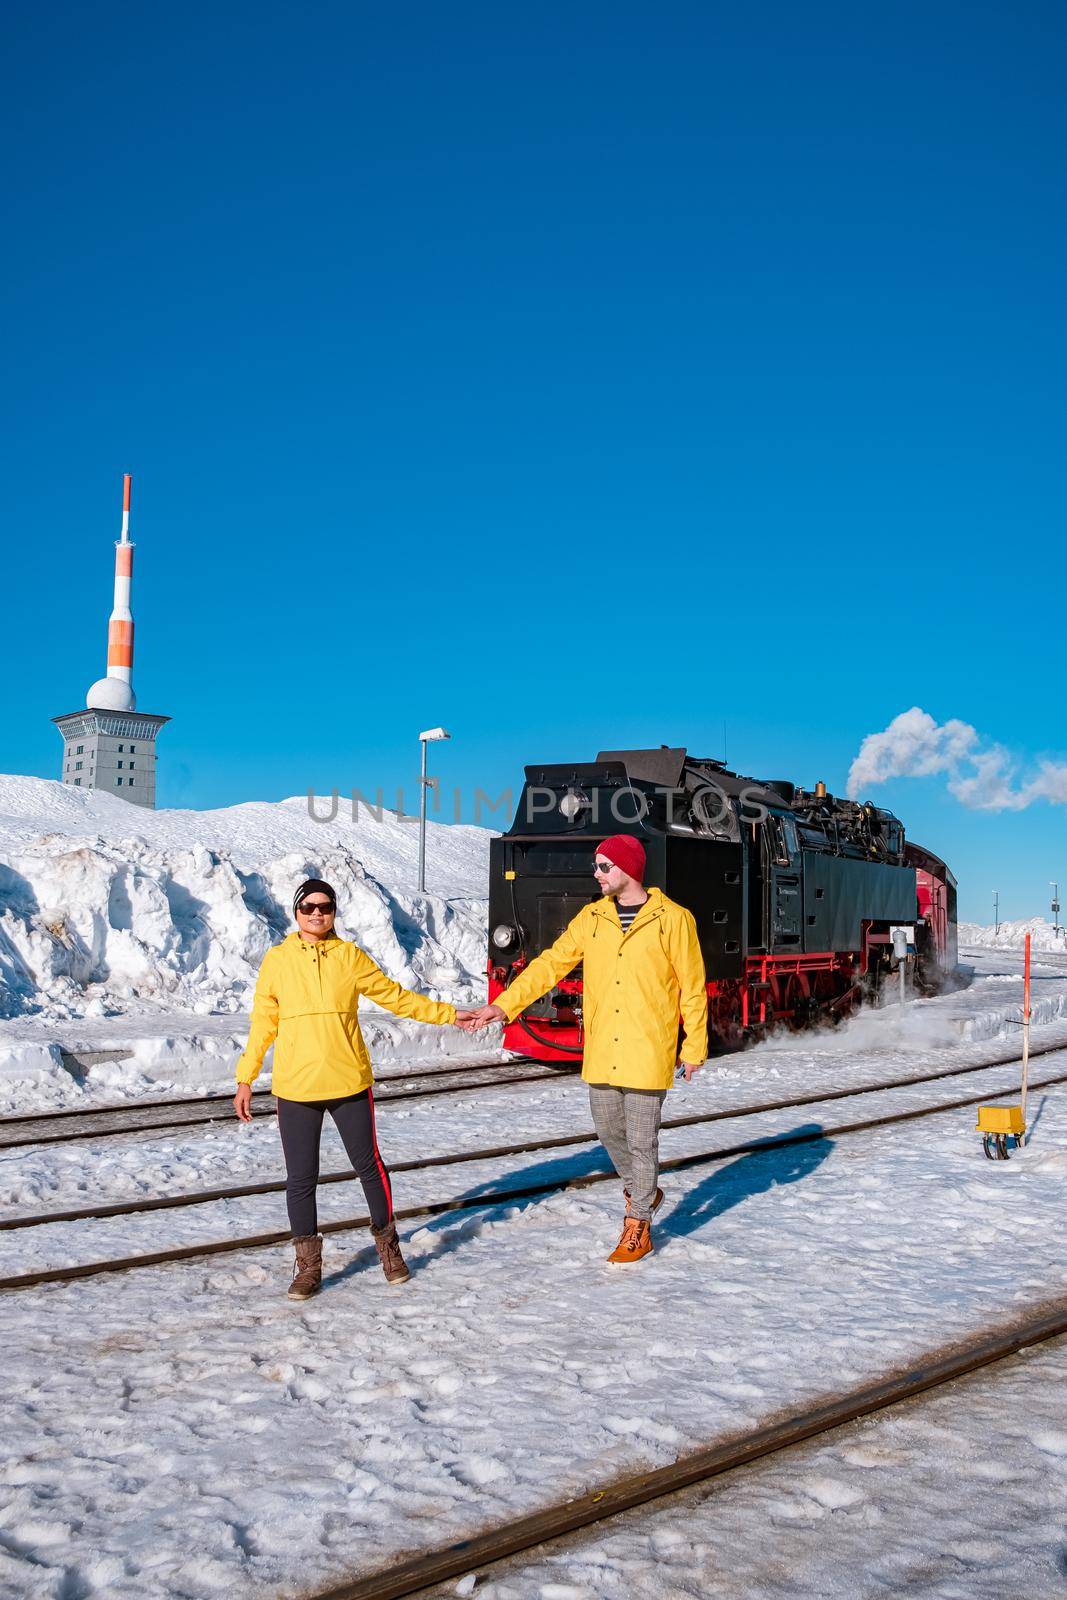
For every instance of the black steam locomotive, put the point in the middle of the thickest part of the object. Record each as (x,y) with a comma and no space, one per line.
(796,893)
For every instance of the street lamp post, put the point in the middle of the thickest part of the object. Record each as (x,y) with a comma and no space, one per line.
(996,912)
(1055,906)
(430,736)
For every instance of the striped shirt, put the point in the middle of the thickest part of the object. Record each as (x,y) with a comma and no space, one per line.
(628,913)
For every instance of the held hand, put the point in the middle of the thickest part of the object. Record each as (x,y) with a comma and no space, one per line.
(467,1020)
(242,1102)
(486,1015)
(688,1068)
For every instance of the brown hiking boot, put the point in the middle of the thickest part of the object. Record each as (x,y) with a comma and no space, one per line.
(635,1244)
(388,1247)
(657,1201)
(307,1275)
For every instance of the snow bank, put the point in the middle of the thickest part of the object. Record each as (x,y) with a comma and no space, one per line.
(27,1068)
(106,908)
(1012,935)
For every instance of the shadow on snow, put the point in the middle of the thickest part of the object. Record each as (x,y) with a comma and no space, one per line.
(751,1174)
(758,1171)
(455,1228)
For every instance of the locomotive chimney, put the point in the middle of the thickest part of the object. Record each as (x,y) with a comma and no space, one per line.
(820,790)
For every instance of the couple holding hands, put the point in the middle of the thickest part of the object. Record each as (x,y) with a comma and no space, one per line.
(642,970)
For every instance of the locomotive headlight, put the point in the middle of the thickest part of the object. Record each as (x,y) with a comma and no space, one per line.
(572,804)
(503,935)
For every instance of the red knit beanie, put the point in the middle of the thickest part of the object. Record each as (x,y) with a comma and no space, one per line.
(624,851)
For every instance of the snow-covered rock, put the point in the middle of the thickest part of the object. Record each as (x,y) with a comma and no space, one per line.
(104,907)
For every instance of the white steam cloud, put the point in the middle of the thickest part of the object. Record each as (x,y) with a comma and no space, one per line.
(982,776)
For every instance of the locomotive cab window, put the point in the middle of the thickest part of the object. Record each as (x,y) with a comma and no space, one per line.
(778,840)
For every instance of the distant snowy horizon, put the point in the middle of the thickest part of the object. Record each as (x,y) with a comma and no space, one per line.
(1013,934)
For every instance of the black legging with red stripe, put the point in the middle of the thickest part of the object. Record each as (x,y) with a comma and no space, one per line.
(300,1125)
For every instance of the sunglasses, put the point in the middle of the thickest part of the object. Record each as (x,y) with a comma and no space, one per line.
(309,908)
(603,866)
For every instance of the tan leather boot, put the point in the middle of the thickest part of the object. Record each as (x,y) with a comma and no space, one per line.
(307,1275)
(388,1247)
(635,1244)
(657,1201)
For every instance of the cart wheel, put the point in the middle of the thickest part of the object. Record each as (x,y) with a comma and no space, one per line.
(1002,1147)
(987,1146)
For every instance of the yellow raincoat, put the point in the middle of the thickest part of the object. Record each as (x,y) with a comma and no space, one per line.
(307,996)
(635,985)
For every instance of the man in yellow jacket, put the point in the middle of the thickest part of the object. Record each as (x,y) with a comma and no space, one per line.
(642,970)
(306,1004)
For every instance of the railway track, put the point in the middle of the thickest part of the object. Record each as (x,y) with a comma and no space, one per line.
(18,1132)
(519,1192)
(153,1116)
(172,1102)
(932,1371)
(121,1208)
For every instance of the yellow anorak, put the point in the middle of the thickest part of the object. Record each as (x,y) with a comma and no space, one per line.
(636,985)
(306,1002)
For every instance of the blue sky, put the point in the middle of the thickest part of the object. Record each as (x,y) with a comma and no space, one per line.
(573,377)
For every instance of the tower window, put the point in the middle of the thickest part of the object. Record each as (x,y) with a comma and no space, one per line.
(120,749)
(79,750)
(133,763)
(77,766)
(133,747)
(78,781)
(119,782)
(120,763)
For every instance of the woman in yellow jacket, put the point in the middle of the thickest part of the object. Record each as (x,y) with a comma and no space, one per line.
(642,971)
(306,1002)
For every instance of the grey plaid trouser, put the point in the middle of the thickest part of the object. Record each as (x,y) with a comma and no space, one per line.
(627,1125)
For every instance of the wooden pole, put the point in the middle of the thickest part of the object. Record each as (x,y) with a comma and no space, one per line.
(1026,1025)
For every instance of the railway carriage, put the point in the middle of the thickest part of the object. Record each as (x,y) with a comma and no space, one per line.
(796,893)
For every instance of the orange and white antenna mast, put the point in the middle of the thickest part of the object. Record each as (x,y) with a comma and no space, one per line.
(120,623)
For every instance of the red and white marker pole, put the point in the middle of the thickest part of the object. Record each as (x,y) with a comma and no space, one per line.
(1026,1025)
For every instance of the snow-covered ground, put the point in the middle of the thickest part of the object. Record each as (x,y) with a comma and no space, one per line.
(186,1431)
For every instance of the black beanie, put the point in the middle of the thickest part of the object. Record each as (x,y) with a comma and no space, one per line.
(313,886)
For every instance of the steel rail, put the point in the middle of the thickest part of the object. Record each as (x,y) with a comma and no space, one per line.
(176,1102)
(121,1208)
(217,1247)
(782,1432)
(27,1138)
